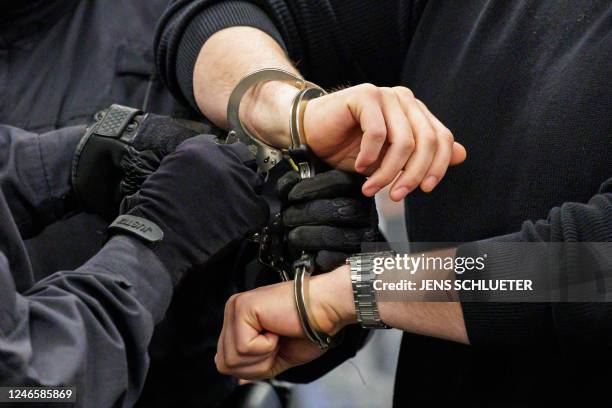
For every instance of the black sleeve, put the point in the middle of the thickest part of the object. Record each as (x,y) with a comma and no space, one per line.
(333,42)
(570,253)
(35,175)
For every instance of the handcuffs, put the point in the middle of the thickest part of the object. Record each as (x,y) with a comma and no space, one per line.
(268,156)
(302,160)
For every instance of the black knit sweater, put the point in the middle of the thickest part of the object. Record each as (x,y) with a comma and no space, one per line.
(525,86)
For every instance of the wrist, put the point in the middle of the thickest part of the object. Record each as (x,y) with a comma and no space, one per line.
(150,229)
(265,112)
(331,300)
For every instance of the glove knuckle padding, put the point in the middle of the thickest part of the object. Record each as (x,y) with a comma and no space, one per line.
(308,238)
(333,183)
(327,215)
(340,211)
(286,183)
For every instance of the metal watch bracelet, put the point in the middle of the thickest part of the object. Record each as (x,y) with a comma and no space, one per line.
(362,280)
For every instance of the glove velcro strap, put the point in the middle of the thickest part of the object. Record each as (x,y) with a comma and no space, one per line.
(115,120)
(139,227)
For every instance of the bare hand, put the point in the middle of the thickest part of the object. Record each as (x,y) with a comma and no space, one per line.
(262,335)
(385,133)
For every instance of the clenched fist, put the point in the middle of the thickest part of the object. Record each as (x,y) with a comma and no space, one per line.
(262,335)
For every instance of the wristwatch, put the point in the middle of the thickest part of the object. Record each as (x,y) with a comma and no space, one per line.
(362,279)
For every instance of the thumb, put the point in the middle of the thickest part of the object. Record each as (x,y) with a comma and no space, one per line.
(459,154)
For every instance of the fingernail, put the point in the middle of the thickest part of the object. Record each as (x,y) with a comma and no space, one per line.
(370,190)
(400,192)
(430,182)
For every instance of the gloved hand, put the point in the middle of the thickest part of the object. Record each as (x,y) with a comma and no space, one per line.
(327,215)
(119,151)
(203,197)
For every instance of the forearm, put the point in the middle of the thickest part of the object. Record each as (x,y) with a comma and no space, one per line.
(426,301)
(55,333)
(218,71)
(256,321)
(436,319)
(556,255)
(430,313)
(435,314)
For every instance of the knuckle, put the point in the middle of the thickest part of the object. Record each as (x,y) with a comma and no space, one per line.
(408,183)
(370,89)
(404,92)
(240,305)
(387,92)
(295,236)
(221,367)
(192,148)
(433,140)
(385,177)
(230,362)
(229,356)
(428,137)
(437,172)
(409,144)
(189,153)
(412,181)
(229,305)
(446,136)
(242,347)
(378,134)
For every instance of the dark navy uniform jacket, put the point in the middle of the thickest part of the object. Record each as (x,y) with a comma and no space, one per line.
(88,327)
(61,61)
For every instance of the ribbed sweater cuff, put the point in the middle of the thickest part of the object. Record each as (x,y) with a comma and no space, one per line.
(490,321)
(205,24)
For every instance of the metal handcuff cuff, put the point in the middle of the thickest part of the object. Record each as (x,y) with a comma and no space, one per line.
(268,156)
(301,159)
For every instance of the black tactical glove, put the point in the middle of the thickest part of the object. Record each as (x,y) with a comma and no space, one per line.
(119,151)
(327,215)
(203,198)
